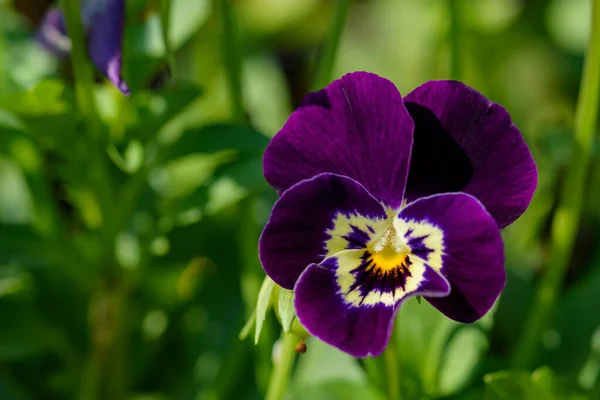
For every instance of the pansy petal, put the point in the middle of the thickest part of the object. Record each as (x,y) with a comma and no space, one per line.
(356,127)
(332,306)
(454,234)
(314,218)
(105,32)
(465,143)
(52,33)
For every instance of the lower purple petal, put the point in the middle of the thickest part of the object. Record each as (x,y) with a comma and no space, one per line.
(353,310)
(468,251)
(359,331)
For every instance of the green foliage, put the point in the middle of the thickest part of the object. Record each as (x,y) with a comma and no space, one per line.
(128,239)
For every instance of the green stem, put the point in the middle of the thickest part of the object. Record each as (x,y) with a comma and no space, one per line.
(103,375)
(566,220)
(392,369)
(82,70)
(84,90)
(324,70)
(165,22)
(232,54)
(455,10)
(282,369)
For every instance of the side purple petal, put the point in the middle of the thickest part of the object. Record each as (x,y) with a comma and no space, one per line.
(472,258)
(105,35)
(302,220)
(465,143)
(356,127)
(52,33)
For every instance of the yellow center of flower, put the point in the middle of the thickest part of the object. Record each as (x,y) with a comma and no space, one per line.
(389,252)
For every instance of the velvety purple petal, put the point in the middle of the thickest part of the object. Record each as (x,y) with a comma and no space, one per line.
(357,323)
(316,217)
(105,38)
(52,33)
(356,127)
(465,143)
(454,234)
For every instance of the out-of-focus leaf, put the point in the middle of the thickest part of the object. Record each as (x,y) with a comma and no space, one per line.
(432,346)
(462,354)
(154,110)
(248,326)
(541,384)
(11,389)
(145,40)
(575,325)
(23,333)
(241,138)
(262,305)
(230,183)
(285,308)
(323,363)
(509,385)
(47,97)
(335,390)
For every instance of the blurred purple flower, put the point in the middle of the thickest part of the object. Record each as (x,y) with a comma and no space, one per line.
(104,24)
(384,198)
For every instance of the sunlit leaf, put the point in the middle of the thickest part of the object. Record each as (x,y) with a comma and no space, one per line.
(335,390)
(262,305)
(286,309)
(248,326)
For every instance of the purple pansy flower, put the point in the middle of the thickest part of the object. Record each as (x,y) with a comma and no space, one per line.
(104,24)
(384,198)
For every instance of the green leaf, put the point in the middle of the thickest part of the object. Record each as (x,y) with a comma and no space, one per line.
(463,351)
(285,308)
(541,384)
(145,39)
(335,390)
(262,305)
(508,385)
(154,110)
(213,138)
(47,97)
(248,326)
(323,363)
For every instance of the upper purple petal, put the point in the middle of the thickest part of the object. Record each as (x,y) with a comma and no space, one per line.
(464,142)
(105,38)
(469,251)
(302,222)
(357,127)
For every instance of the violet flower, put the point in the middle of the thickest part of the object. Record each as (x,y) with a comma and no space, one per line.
(104,24)
(384,198)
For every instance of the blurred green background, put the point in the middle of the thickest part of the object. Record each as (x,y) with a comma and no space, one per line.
(128,247)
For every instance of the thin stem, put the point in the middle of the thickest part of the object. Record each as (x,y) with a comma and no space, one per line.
(282,369)
(455,10)
(566,220)
(392,369)
(327,58)
(232,55)
(165,22)
(82,70)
